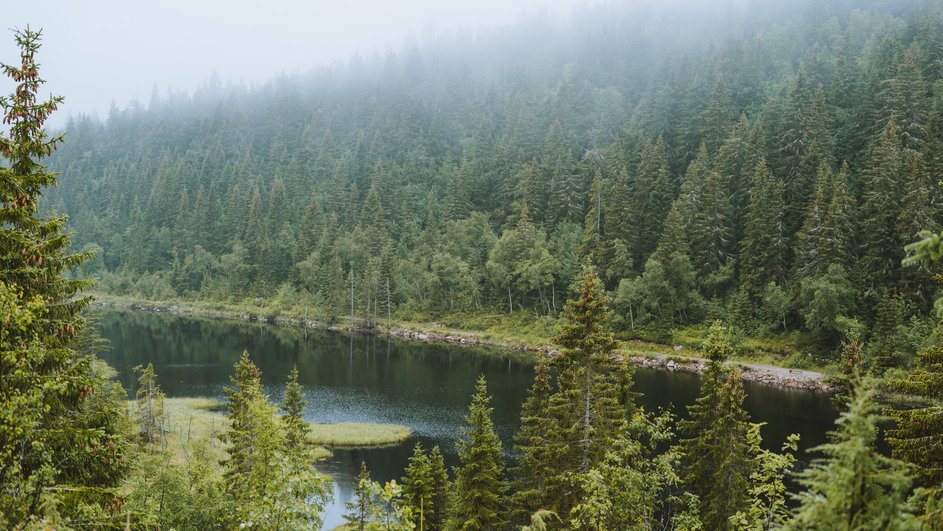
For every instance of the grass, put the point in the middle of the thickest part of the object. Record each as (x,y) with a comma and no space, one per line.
(189,420)
(193,419)
(358,434)
(521,331)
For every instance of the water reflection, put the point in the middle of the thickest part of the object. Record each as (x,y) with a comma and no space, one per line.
(367,378)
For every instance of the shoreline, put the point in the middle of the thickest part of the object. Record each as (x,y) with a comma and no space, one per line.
(760,373)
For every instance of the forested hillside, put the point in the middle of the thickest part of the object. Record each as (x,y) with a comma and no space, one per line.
(762,163)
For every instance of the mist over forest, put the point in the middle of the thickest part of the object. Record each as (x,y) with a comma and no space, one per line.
(477,174)
(743,189)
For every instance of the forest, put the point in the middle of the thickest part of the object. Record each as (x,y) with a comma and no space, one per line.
(768,169)
(765,166)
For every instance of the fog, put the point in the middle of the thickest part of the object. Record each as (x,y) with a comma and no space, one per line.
(96,52)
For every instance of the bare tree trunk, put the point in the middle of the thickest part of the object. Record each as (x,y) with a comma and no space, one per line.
(510,302)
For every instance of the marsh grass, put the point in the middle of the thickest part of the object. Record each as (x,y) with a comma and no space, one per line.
(358,434)
(188,420)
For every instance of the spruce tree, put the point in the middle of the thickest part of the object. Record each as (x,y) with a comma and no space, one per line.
(917,433)
(885,347)
(715,444)
(729,461)
(253,436)
(808,249)
(880,206)
(478,494)
(854,486)
(838,226)
(531,486)
(418,488)
(149,407)
(293,423)
(360,509)
(440,490)
(589,405)
(47,389)
(652,194)
(763,247)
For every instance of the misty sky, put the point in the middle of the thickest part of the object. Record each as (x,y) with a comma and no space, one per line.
(99,51)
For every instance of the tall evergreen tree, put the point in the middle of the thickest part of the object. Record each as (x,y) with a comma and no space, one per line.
(418,489)
(589,404)
(880,205)
(440,490)
(853,486)
(478,495)
(293,423)
(762,250)
(532,488)
(715,447)
(47,407)
(653,191)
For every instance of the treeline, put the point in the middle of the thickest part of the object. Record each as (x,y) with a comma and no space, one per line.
(768,175)
(586,455)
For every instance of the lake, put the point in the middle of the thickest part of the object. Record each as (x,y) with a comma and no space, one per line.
(373,378)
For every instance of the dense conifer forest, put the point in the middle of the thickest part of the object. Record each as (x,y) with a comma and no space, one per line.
(764,164)
(762,167)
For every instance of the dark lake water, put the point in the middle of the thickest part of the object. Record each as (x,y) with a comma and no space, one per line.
(369,378)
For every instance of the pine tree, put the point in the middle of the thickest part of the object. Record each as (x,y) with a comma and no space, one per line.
(885,348)
(478,494)
(838,226)
(440,490)
(917,434)
(762,250)
(808,249)
(652,193)
(293,423)
(853,486)
(149,407)
(532,488)
(48,407)
(419,489)
(310,232)
(715,446)
(253,436)
(916,214)
(360,509)
(880,205)
(904,101)
(711,236)
(589,405)
(592,246)
(729,459)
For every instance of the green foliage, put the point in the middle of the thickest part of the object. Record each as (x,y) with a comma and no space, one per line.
(532,489)
(768,509)
(484,200)
(62,452)
(149,407)
(272,485)
(917,433)
(591,403)
(479,489)
(359,509)
(716,448)
(293,423)
(853,486)
(632,487)
(418,490)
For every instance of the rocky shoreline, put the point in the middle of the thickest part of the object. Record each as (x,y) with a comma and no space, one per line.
(752,372)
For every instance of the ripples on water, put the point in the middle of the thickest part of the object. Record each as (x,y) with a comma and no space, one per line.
(367,378)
